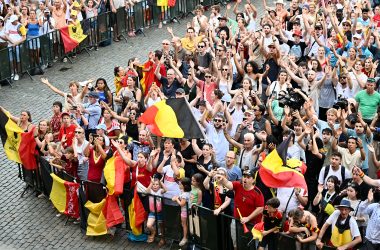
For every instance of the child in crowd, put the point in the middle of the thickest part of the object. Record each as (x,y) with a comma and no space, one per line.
(196,189)
(157,188)
(183,200)
(272,221)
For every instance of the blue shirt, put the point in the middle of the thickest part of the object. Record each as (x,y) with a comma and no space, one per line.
(93,115)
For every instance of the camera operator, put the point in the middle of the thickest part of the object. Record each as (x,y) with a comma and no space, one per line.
(48,22)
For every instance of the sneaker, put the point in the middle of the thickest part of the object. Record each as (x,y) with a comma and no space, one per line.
(182,242)
(16,77)
(58,215)
(41,196)
(76,222)
(175,20)
(64,60)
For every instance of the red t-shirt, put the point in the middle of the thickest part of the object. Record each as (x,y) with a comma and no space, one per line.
(71,166)
(376,19)
(69,132)
(95,167)
(247,201)
(143,177)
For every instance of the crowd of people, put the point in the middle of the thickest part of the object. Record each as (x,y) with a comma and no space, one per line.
(309,72)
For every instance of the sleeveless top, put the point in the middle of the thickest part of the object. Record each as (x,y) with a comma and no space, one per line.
(33,29)
(223,86)
(102,96)
(259,125)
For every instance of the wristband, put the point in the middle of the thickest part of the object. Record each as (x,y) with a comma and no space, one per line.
(377,130)
(361,175)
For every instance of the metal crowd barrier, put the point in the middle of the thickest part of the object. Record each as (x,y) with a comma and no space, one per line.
(33,53)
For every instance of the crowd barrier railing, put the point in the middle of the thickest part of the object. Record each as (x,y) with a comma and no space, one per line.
(206,231)
(31,56)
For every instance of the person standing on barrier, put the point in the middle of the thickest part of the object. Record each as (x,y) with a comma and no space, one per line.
(24,121)
(34,41)
(249,201)
(16,35)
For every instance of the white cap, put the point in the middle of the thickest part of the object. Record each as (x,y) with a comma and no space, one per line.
(358,36)
(13,18)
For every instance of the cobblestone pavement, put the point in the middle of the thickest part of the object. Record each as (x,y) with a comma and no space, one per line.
(30,222)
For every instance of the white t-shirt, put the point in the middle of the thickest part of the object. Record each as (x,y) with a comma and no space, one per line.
(353,225)
(283,194)
(170,183)
(337,173)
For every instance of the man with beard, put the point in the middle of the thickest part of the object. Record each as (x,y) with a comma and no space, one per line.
(215,135)
(249,201)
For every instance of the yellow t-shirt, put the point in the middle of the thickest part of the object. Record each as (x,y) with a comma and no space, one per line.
(190,45)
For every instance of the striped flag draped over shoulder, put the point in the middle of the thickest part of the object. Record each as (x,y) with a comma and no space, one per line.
(172,118)
(19,146)
(276,171)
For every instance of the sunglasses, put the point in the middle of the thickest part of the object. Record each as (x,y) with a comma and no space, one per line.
(346,25)
(201,47)
(217,120)
(132,113)
(78,132)
(220,50)
(120,141)
(207,76)
(343,77)
(318,28)
(165,43)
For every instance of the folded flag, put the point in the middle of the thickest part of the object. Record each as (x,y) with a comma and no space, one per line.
(72,35)
(96,221)
(137,214)
(64,196)
(276,171)
(257,231)
(172,118)
(19,146)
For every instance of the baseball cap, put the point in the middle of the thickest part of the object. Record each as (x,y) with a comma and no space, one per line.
(13,18)
(358,36)
(93,94)
(102,126)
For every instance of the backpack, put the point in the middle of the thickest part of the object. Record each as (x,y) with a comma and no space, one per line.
(342,173)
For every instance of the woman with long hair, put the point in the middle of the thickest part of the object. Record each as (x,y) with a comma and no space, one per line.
(205,158)
(103,90)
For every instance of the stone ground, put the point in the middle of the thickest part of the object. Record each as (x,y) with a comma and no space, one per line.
(30,222)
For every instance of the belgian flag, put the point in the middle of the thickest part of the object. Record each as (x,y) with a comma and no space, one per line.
(72,36)
(64,196)
(277,171)
(19,146)
(172,118)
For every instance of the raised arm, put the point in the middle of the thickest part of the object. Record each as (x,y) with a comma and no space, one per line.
(47,83)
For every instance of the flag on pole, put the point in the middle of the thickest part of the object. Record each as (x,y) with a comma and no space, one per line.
(172,118)
(277,171)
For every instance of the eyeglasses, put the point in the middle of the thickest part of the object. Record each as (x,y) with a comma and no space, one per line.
(201,47)
(217,120)
(120,141)
(78,132)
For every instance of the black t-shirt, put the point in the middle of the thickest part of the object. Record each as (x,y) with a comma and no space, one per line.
(314,166)
(188,153)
